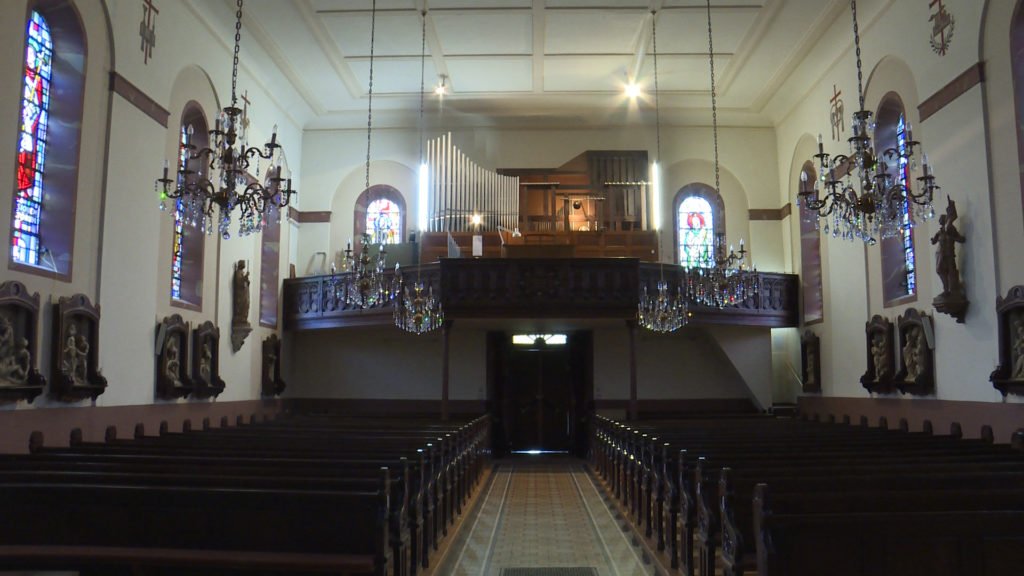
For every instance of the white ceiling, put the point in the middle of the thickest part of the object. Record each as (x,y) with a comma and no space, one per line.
(555,60)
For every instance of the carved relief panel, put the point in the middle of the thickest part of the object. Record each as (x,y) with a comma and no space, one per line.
(19,317)
(206,380)
(881,372)
(810,355)
(172,379)
(273,385)
(917,354)
(1008,377)
(75,350)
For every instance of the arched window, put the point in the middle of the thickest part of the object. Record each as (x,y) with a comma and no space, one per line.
(899,262)
(810,253)
(380,211)
(699,217)
(1017,65)
(189,224)
(49,129)
(270,260)
(35,110)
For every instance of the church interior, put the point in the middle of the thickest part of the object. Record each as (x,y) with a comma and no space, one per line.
(512,287)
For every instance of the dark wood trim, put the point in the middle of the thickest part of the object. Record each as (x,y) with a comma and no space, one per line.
(651,407)
(312,217)
(956,88)
(130,92)
(1004,418)
(631,327)
(364,406)
(762,214)
(446,335)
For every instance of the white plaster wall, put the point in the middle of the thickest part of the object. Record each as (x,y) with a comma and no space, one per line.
(687,364)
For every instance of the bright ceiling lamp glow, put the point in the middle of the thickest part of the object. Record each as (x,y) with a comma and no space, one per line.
(632,90)
(442,87)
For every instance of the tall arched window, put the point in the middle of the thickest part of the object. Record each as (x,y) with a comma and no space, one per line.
(810,253)
(189,226)
(1017,65)
(380,212)
(49,128)
(35,109)
(699,217)
(899,262)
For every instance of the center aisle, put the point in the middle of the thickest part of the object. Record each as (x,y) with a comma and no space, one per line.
(542,513)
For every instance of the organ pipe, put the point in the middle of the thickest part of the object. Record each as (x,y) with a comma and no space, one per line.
(460,188)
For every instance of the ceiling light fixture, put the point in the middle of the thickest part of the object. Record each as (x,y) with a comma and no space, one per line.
(442,86)
(230,156)
(632,90)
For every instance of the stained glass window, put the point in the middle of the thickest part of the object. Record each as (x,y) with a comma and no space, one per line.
(696,232)
(384,221)
(907,230)
(35,104)
(177,254)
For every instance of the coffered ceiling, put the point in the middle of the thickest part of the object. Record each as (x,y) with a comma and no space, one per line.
(533,62)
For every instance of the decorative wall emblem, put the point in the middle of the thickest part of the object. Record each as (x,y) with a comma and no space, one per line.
(943,25)
(836,113)
(881,372)
(147,29)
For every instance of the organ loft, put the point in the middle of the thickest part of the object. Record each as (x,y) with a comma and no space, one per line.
(545,288)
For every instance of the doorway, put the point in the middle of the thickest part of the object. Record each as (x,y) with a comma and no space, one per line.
(540,392)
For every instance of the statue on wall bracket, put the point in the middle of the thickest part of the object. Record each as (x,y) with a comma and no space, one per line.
(953,299)
(240,327)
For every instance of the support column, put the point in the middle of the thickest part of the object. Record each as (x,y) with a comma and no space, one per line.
(446,331)
(631,326)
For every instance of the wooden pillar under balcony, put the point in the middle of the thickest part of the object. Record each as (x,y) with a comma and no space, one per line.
(446,331)
(631,326)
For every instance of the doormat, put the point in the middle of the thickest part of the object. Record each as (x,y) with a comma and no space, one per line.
(549,572)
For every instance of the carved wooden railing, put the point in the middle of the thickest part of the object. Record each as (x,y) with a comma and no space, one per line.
(536,288)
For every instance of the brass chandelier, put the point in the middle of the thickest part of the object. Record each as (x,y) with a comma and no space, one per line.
(417,310)
(231,158)
(721,279)
(876,202)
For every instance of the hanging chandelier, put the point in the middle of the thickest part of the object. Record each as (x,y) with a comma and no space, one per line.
(666,311)
(416,308)
(365,284)
(725,280)
(876,202)
(721,279)
(230,157)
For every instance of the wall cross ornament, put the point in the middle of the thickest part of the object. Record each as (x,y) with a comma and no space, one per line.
(943,25)
(147,29)
(836,113)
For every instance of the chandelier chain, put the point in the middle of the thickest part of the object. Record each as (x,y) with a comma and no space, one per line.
(714,99)
(369,105)
(234,65)
(856,45)
(657,93)
(423,66)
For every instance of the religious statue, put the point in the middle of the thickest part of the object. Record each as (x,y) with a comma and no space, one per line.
(172,362)
(15,358)
(914,355)
(1017,346)
(75,356)
(206,362)
(240,327)
(880,355)
(952,300)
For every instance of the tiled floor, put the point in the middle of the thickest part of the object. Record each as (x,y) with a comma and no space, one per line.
(542,514)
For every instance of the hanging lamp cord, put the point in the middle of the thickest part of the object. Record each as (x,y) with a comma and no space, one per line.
(657,94)
(856,46)
(714,99)
(423,66)
(369,106)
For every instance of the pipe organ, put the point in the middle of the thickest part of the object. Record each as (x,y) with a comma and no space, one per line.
(460,189)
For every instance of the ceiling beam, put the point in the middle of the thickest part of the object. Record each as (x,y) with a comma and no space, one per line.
(329,46)
(539,36)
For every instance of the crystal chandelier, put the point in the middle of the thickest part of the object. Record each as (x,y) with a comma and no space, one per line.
(366,284)
(876,203)
(725,280)
(230,157)
(416,309)
(721,279)
(664,312)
